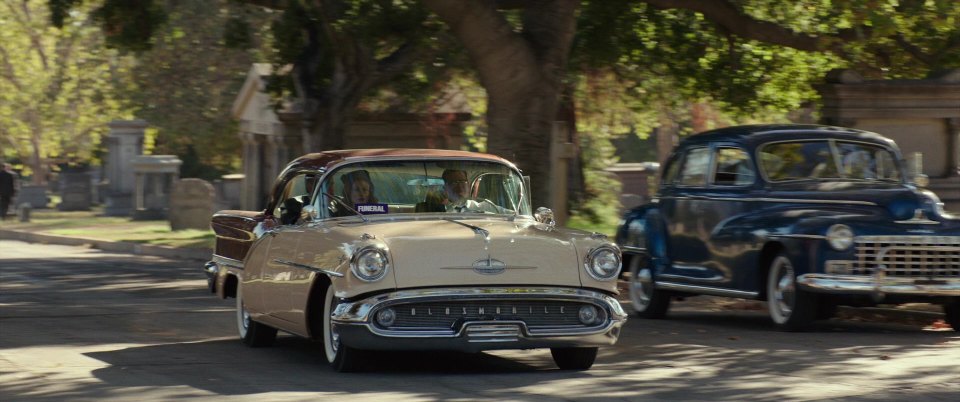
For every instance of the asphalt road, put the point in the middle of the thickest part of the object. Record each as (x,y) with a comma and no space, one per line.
(81,324)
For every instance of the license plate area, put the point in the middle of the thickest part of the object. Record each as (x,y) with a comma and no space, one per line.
(498,332)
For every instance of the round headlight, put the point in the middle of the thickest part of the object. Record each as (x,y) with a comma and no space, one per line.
(603,263)
(370,264)
(840,237)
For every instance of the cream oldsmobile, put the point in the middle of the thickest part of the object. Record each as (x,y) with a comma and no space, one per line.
(372,250)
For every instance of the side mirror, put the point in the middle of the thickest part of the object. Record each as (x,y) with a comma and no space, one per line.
(311,213)
(545,215)
(916,170)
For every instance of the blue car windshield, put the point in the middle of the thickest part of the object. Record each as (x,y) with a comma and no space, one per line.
(827,160)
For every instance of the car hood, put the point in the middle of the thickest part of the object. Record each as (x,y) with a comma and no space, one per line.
(900,201)
(445,252)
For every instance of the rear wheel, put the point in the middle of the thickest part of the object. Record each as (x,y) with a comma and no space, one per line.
(647,301)
(951,313)
(790,308)
(342,358)
(574,358)
(253,334)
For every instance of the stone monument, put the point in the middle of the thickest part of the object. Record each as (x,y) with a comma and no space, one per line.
(154,176)
(124,142)
(191,204)
(75,194)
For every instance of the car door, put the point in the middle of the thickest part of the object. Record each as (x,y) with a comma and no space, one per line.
(682,209)
(726,198)
(285,286)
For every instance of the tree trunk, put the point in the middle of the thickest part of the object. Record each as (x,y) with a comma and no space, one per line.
(522,74)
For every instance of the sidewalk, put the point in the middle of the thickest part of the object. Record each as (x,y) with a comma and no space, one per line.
(199,254)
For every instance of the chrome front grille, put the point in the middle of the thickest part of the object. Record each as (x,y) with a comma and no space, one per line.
(908,256)
(536,314)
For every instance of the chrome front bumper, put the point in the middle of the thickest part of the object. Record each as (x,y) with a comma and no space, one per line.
(878,284)
(354,322)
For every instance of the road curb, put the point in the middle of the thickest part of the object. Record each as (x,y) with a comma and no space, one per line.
(199,254)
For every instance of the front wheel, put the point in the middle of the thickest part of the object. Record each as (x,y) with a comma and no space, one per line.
(647,301)
(951,313)
(342,358)
(253,334)
(574,358)
(790,308)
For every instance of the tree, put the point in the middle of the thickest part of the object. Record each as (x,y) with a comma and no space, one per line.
(57,87)
(748,56)
(184,85)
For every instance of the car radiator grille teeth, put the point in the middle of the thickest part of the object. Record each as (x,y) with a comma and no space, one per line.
(535,314)
(909,257)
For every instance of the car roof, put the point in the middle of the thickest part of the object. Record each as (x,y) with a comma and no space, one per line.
(330,159)
(762,133)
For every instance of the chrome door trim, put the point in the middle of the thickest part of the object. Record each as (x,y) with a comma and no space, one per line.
(706,290)
(308,268)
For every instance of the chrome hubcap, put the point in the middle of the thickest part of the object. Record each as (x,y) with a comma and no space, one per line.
(641,286)
(784,291)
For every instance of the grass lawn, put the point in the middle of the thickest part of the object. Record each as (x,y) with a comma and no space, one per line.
(93,225)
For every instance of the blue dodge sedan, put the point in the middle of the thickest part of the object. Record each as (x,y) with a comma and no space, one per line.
(804,217)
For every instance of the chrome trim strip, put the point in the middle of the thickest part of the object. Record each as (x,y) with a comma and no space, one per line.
(770,199)
(504,267)
(798,236)
(826,283)
(682,287)
(228,262)
(715,278)
(934,240)
(633,250)
(309,268)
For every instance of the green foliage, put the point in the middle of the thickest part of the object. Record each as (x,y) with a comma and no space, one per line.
(58,88)
(130,24)
(185,85)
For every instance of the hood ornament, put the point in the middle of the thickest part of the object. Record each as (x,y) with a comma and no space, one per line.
(919,218)
(489,266)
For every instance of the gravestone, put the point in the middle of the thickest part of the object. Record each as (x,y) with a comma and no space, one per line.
(228,191)
(124,142)
(191,204)
(75,191)
(35,195)
(154,176)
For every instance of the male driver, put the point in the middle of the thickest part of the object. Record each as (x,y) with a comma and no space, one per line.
(457,191)
(8,189)
(455,187)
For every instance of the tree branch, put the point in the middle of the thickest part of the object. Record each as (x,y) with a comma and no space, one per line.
(34,37)
(498,53)
(726,14)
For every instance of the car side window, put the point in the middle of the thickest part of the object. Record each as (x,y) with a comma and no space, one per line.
(296,194)
(732,167)
(694,170)
(673,167)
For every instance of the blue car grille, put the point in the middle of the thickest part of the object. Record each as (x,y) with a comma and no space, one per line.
(909,256)
(450,315)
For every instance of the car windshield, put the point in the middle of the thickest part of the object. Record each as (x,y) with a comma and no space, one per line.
(827,160)
(396,187)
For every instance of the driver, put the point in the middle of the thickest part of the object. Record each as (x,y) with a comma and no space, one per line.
(457,193)
(455,188)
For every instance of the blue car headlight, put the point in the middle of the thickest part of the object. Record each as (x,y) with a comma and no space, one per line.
(840,237)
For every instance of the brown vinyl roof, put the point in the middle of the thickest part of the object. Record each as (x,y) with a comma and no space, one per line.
(330,159)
